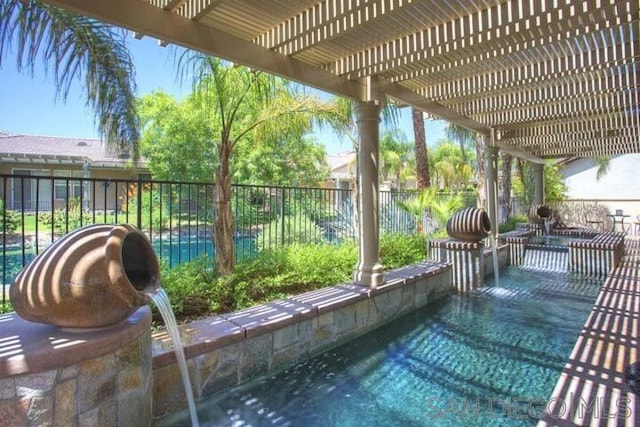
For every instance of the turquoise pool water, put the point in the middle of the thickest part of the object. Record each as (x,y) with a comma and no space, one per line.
(488,359)
(173,252)
(555,240)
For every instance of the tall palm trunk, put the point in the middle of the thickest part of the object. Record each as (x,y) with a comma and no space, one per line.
(422,155)
(223,224)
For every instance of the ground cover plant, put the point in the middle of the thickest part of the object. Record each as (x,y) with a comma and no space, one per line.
(196,291)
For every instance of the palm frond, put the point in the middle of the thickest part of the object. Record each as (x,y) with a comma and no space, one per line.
(74,48)
(604,164)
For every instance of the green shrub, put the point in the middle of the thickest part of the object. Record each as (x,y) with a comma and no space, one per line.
(9,220)
(320,265)
(298,228)
(190,288)
(195,290)
(278,272)
(5,307)
(150,203)
(397,250)
(66,219)
(510,224)
(253,207)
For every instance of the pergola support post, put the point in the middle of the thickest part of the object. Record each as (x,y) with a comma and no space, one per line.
(491,158)
(538,196)
(369,271)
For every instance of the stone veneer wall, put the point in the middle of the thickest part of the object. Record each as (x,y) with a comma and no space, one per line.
(227,350)
(52,377)
(597,256)
(504,258)
(470,261)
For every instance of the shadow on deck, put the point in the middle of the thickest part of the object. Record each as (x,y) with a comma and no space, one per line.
(592,389)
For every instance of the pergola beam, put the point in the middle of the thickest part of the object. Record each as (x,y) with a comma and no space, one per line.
(484,31)
(487,82)
(324,21)
(406,96)
(546,75)
(164,25)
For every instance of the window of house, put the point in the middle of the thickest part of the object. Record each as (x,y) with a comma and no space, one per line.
(71,186)
(29,194)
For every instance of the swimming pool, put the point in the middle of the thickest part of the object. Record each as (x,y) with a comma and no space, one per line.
(555,240)
(489,358)
(171,251)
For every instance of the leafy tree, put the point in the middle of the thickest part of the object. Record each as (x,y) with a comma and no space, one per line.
(292,160)
(77,47)
(245,104)
(554,187)
(174,133)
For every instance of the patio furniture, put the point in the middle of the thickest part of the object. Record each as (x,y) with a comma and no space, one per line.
(618,218)
(636,226)
(594,223)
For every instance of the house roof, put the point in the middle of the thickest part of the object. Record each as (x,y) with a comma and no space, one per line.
(339,160)
(57,150)
(544,78)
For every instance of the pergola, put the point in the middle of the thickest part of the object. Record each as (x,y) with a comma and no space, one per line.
(537,79)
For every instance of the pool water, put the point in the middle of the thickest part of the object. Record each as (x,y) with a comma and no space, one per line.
(555,240)
(173,252)
(487,359)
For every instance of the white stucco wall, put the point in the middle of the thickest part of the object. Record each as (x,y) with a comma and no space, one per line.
(595,199)
(622,182)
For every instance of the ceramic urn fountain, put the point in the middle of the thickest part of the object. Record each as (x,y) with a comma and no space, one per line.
(469,225)
(94,277)
(539,213)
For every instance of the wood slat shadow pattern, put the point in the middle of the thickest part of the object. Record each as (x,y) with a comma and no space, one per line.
(592,389)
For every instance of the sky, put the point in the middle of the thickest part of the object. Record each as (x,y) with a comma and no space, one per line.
(29,106)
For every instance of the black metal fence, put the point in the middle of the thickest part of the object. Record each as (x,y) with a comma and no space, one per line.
(178,217)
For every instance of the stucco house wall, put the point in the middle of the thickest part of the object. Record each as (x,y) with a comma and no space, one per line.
(45,156)
(618,189)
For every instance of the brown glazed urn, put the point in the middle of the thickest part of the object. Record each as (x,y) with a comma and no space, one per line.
(94,277)
(469,225)
(538,213)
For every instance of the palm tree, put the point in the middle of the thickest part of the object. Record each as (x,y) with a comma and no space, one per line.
(246,103)
(422,155)
(77,47)
(441,208)
(395,153)
(463,136)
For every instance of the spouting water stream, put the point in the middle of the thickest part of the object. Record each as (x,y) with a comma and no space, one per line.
(496,265)
(161,300)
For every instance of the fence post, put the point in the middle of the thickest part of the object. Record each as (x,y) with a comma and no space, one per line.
(282,207)
(139,204)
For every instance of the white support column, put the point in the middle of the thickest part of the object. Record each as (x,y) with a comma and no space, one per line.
(369,271)
(538,195)
(491,154)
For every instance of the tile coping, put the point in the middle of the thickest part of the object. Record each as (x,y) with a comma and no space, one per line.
(29,348)
(218,331)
